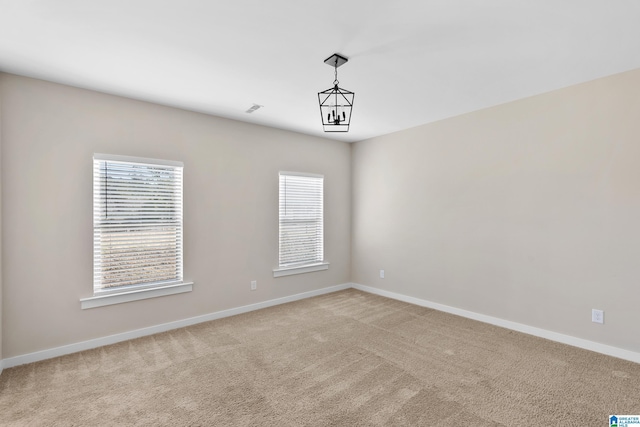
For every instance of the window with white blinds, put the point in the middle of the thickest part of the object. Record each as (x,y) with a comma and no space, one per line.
(301,219)
(137,223)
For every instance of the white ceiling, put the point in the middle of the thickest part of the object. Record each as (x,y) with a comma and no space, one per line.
(410,61)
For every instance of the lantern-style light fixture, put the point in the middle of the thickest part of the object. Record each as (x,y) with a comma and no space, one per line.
(336,103)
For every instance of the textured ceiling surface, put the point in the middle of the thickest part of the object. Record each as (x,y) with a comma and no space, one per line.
(411,62)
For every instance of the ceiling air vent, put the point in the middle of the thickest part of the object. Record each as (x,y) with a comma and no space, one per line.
(254,108)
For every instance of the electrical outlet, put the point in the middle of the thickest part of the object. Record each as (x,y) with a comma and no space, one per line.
(597,316)
(382,274)
(254,285)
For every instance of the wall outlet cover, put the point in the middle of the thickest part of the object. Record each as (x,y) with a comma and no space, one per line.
(597,316)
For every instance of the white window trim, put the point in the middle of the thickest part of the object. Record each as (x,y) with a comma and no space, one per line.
(305,268)
(136,292)
(288,271)
(310,175)
(137,160)
(135,295)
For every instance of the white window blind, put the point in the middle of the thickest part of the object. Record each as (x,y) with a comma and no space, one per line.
(301,219)
(137,222)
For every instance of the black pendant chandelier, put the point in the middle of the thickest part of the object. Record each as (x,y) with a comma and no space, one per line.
(336,103)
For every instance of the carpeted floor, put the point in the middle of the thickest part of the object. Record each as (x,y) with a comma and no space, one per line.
(342,359)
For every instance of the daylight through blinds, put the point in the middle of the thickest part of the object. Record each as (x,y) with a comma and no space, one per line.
(301,223)
(137,222)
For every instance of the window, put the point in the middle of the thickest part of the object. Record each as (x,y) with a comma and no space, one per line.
(301,224)
(137,226)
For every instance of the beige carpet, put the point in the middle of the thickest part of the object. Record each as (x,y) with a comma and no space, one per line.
(342,359)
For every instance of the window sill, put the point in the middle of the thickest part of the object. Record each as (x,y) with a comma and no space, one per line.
(288,271)
(102,300)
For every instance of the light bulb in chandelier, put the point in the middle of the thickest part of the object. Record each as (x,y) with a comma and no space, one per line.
(336,119)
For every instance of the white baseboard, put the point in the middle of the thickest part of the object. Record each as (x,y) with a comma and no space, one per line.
(542,333)
(112,339)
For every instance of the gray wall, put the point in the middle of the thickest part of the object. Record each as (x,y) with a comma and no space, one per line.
(527,211)
(50,133)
